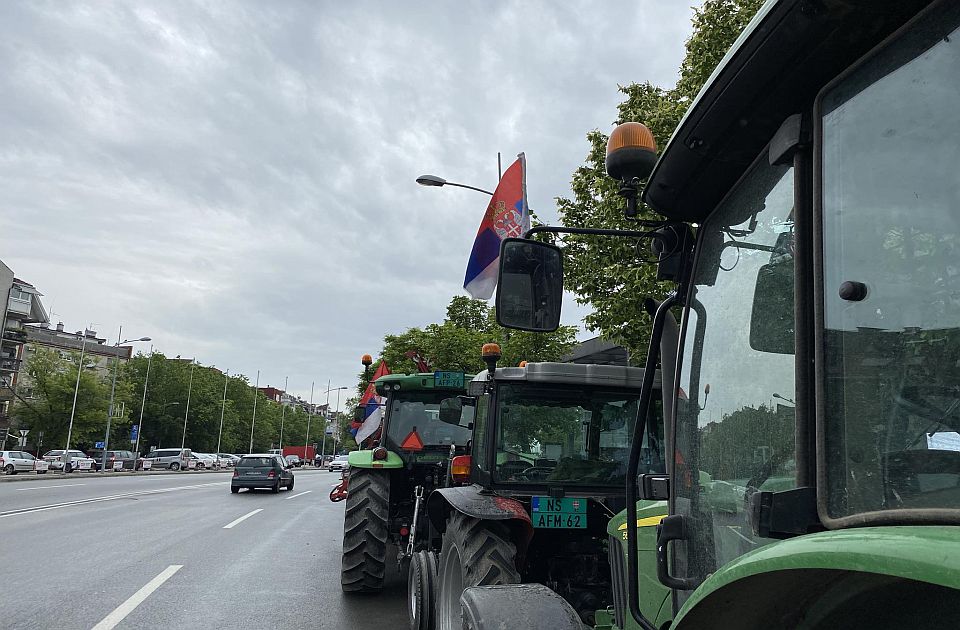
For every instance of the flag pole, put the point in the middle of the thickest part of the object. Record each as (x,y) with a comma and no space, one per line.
(499,168)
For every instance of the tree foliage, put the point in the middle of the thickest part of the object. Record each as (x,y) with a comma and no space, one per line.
(608,273)
(455,343)
(161,415)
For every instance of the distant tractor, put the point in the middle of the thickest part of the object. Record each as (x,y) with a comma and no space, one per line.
(547,472)
(389,483)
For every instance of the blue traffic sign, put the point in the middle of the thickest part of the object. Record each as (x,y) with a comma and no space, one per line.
(98,445)
(133,432)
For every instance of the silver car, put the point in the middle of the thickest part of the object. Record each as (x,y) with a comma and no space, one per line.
(340,462)
(78,460)
(172,458)
(12,462)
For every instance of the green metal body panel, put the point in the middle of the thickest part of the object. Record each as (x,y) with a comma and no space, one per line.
(364,459)
(654,596)
(414,382)
(929,554)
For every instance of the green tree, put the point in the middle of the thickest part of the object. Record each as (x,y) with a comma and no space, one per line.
(607,272)
(455,343)
(48,411)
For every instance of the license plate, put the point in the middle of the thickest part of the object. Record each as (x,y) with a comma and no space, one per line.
(448,379)
(566,513)
(253,472)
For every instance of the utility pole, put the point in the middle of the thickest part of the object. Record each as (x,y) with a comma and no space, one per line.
(256,391)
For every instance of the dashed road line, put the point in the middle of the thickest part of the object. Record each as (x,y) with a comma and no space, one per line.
(65,485)
(113,497)
(299,494)
(120,612)
(231,524)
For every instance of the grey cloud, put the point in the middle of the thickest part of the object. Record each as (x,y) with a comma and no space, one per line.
(236,178)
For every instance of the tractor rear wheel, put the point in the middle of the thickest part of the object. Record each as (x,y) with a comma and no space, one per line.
(365,532)
(475,553)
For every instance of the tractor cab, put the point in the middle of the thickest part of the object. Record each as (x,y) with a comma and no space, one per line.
(547,471)
(561,429)
(411,406)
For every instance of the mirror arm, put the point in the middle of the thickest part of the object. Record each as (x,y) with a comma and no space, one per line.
(552,229)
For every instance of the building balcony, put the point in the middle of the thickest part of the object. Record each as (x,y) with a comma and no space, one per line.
(18,336)
(10,365)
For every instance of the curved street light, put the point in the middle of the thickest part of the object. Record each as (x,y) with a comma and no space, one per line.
(433,180)
(113,389)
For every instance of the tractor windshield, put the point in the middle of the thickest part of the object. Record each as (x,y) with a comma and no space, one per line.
(414,417)
(570,436)
(891,227)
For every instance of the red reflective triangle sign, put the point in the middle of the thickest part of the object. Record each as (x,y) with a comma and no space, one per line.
(412,442)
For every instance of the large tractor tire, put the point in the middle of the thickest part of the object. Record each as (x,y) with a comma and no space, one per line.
(474,553)
(365,532)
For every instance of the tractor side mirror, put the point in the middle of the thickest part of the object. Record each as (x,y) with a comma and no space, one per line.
(457,409)
(530,286)
(772,320)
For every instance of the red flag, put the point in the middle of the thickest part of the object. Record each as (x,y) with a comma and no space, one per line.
(372,406)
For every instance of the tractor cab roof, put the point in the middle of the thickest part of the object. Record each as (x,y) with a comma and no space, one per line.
(787,53)
(618,376)
(427,381)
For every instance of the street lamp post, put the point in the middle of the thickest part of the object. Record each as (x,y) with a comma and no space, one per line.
(186,413)
(283,410)
(323,448)
(253,421)
(113,389)
(143,403)
(433,180)
(223,408)
(73,409)
(306,442)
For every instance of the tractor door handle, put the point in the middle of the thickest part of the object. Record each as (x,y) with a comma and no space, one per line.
(672,527)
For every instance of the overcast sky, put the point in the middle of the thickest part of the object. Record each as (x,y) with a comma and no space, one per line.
(236,179)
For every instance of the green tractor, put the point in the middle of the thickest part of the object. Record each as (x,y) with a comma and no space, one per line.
(811,219)
(385,505)
(533,501)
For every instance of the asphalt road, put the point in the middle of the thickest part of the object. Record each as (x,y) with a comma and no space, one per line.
(157,552)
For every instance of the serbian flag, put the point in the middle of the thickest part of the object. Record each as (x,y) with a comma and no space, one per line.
(372,406)
(507,216)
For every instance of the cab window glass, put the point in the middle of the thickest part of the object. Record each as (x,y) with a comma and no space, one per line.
(891,260)
(735,416)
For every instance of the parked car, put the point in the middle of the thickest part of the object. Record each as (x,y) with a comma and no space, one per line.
(172,458)
(205,461)
(12,462)
(78,460)
(227,460)
(261,470)
(127,457)
(294,460)
(340,462)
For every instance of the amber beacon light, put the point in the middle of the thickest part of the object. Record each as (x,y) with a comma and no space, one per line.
(631,152)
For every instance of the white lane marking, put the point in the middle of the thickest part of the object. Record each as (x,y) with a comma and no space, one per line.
(66,485)
(241,519)
(113,497)
(299,495)
(127,607)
